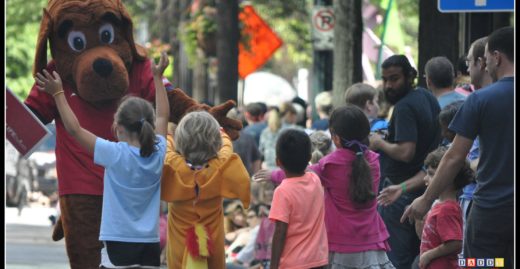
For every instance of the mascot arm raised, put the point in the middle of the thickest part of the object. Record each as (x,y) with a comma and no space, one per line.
(181,104)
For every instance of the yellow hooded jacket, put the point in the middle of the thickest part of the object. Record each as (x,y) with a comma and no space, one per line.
(223,177)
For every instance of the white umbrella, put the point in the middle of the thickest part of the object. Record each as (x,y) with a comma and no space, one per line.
(268,88)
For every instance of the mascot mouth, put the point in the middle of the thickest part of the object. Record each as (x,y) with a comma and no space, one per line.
(101,75)
(102,89)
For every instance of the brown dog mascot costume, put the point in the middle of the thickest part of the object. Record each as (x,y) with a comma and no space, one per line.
(93,50)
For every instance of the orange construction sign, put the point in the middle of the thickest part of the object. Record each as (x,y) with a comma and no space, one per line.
(262,43)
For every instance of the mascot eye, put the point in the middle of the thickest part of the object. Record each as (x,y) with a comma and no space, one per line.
(106,33)
(77,41)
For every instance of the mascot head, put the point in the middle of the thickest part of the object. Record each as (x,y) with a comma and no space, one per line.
(92,44)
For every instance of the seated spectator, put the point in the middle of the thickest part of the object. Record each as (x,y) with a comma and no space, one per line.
(256,253)
(241,251)
(234,220)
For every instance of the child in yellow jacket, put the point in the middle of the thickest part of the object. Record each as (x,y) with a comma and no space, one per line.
(200,169)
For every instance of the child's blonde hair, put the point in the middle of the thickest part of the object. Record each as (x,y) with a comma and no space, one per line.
(323,102)
(197,137)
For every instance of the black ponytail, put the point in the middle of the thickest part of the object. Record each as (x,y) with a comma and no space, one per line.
(360,189)
(147,139)
(136,115)
(351,125)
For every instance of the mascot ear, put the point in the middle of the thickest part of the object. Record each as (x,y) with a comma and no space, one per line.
(40,59)
(180,104)
(138,52)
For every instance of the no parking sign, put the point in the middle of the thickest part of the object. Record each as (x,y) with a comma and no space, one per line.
(323,22)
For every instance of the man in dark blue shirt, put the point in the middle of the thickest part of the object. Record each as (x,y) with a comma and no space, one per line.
(487,113)
(413,132)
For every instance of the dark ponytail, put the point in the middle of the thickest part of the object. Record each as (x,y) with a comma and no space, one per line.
(361,180)
(147,139)
(352,126)
(137,116)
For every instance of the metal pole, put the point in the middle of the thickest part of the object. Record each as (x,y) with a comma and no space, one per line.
(322,69)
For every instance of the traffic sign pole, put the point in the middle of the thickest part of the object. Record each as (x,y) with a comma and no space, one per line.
(322,65)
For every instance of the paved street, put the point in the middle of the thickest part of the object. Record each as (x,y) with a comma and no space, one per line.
(28,240)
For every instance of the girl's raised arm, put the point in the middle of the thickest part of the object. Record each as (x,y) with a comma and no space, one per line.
(162,107)
(53,86)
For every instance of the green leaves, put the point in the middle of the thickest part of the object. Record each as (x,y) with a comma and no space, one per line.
(22,26)
(292,22)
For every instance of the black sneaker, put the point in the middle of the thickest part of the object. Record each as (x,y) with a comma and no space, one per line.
(52,218)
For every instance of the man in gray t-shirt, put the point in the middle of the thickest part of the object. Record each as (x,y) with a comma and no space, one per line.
(439,79)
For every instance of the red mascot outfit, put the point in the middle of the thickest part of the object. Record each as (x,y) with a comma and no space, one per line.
(93,50)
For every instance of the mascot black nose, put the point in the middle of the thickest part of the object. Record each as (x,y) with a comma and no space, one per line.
(102,67)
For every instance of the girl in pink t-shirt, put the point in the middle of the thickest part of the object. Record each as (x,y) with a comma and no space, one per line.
(357,236)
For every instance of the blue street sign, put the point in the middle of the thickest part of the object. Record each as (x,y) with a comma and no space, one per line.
(447,6)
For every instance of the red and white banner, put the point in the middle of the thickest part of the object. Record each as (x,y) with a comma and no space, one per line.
(23,129)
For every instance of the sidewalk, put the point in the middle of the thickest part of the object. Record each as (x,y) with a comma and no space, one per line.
(35,215)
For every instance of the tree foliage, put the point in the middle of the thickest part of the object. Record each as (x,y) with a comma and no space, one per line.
(141,10)
(291,20)
(408,13)
(22,26)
